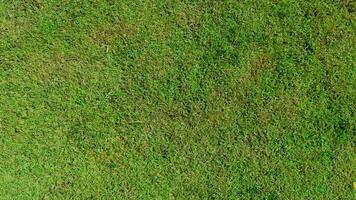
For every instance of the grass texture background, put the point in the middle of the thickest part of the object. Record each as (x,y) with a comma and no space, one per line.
(177,99)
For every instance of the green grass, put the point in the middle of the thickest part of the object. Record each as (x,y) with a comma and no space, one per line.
(177,99)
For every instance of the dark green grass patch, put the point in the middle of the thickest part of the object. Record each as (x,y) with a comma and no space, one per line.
(153,99)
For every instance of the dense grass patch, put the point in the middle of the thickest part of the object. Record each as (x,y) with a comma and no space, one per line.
(154,99)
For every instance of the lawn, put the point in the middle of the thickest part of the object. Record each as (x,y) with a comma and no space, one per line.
(177,99)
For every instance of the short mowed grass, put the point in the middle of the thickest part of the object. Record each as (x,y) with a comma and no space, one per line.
(177,99)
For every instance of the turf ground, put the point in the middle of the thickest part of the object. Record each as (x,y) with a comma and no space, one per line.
(177,99)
